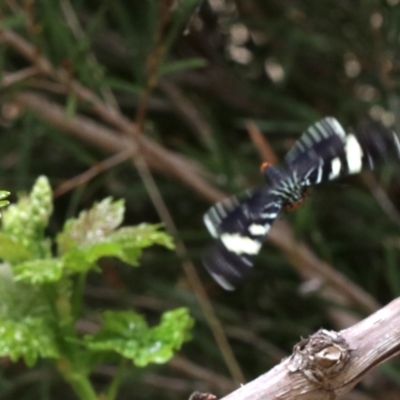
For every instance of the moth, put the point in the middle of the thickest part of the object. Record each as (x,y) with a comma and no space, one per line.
(324,152)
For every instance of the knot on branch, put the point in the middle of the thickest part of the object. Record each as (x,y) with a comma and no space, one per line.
(320,357)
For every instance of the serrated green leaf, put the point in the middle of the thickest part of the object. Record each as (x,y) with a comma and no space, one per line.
(29,338)
(92,226)
(126,333)
(143,235)
(39,271)
(125,243)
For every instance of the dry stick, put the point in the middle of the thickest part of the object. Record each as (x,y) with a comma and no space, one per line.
(130,129)
(92,172)
(329,364)
(167,162)
(9,79)
(264,149)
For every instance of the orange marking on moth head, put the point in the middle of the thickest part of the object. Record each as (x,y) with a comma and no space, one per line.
(265,165)
(298,204)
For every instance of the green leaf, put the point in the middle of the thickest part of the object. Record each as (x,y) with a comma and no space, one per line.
(29,338)
(126,333)
(125,243)
(181,65)
(70,110)
(91,226)
(26,320)
(143,235)
(125,86)
(39,271)
(83,259)
(13,251)
(18,300)
(26,221)
(3,195)
(134,238)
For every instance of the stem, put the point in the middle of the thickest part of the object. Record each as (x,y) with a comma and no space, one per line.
(78,295)
(116,382)
(79,381)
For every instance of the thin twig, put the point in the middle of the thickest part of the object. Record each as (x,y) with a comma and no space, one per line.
(92,172)
(260,143)
(9,79)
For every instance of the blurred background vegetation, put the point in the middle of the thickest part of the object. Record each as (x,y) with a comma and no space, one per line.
(202,88)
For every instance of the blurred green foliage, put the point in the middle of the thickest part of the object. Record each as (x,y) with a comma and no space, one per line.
(281,64)
(41,295)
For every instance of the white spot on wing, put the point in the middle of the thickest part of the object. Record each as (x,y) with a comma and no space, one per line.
(210,226)
(354,154)
(257,229)
(270,216)
(319,176)
(335,168)
(240,244)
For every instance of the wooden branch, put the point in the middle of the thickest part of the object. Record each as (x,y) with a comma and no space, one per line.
(328,364)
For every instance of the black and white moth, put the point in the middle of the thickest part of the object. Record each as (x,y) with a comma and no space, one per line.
(324,152)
